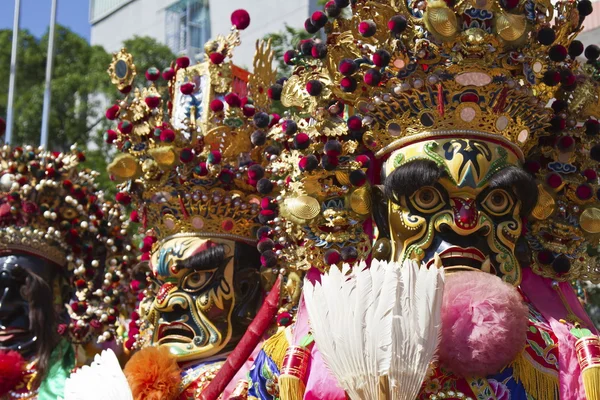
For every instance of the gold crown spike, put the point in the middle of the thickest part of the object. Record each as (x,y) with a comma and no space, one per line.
(195,163)
(52,209)
(415,70)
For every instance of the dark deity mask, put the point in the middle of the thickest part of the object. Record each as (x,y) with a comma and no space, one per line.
(208,293)
(27,314)
(462,199)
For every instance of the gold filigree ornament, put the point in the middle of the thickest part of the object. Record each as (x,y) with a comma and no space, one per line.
(122,70)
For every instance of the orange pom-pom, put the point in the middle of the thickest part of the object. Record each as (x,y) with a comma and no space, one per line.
(153,374)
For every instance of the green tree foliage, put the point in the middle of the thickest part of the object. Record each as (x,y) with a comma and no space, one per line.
(80,90)
(283,41)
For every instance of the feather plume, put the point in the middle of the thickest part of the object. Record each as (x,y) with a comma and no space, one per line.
(378,328)
(102,380)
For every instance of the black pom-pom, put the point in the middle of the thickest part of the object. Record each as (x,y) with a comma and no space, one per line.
(575,48)
(306,47)
(319,19)
(381,58)
(258,138)
(358,177)
(263,232)
(290,127)
(282,80)
(348,84)
(557,124)
(347,66)
(261,119)
(268,259)
(319,50)
(551,78)
(592,127)
(349,253)
(273,150)
(372,77)
(332,10)
(265,245)
(546,36)
(264,186)
(256,171)
(314,87)
(342,3)
(301,141)
(559,105)
(561,264)
(310,27)
(397,24)
(333,148)
(356,135)
(592,52)
(329,163)
(595,153)
(557,53)
(367,28)
(308,163)
(585,7)
(274,91)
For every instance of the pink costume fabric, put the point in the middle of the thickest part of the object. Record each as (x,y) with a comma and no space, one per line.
(546,300)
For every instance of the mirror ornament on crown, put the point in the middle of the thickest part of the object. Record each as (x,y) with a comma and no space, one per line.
(480,124)
(191,159)
(64,256)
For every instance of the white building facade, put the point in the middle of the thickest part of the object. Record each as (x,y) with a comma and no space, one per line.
(172,22)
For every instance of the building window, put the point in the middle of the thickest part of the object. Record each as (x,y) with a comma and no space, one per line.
(178,29)
(102,8)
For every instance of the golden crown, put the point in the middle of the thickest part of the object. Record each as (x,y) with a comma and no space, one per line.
(52,209)
(416,69)
(194,163)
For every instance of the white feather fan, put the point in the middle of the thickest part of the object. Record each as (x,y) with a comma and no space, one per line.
(378,328)
(102,380)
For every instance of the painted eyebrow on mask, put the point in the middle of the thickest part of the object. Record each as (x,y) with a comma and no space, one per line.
(213,257)
(408,178)
(518,181)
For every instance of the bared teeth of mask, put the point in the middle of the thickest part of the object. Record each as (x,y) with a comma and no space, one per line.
(486,266)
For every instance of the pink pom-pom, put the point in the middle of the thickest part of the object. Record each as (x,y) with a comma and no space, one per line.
(11,370)
(484,324)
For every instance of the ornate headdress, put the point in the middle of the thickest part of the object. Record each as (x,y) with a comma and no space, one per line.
(192,164)
(52,209)
(416,71)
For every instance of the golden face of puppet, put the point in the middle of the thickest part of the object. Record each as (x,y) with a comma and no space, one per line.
(192,311)
(461,199)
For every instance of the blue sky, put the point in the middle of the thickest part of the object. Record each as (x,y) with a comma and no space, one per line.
(35,15)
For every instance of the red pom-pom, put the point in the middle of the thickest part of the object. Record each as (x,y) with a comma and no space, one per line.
(12,366)
(553,180)
(584,192)
(233,100)
(590,174)
(167,136)
(168,74)
(332,257)
(367,28)
(216,58)
(187,88)
(216,105)
(355,123)
(112,112)
(152,74)
(134,216)
(152,101)
(186,155)
(2,126)
(183,62)
(214,157)
(288,57)
(363,160)
(110,136)
(123,198)
(248,110)
(566,143)
(125,127)
(348,84)
(240,19)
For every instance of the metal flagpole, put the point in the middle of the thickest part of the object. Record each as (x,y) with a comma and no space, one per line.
(13,73)
(47,88)
(188,32)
